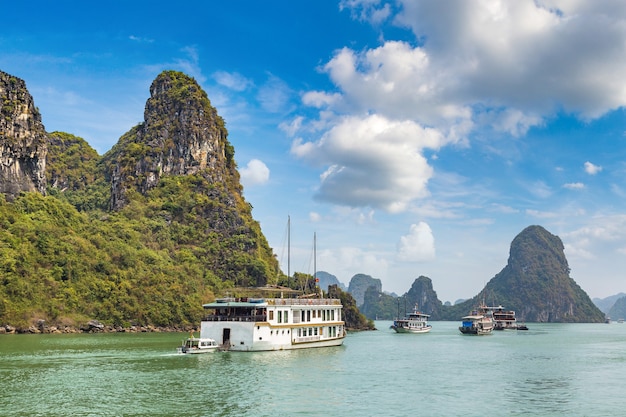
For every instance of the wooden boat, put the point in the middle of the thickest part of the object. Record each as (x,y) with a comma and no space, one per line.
(414,322)
(479,322)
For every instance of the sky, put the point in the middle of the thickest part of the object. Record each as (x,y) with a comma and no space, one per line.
(410,137)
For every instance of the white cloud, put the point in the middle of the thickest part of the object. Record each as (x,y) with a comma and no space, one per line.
(255,173)
(541,214)
(345,262)
(372,161)
(292,127)
(367,10)
(574,186)
(592,169)
(275,95)
(140,39)
(540,189)
(233,81)
(514,62)
(320,99)
(418,245)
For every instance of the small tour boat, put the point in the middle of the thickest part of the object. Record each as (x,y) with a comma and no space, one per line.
(198,345)
(477,324)
(415,322)
(504,319)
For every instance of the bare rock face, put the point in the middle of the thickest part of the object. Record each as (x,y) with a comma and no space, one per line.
(182,134)
(23,142)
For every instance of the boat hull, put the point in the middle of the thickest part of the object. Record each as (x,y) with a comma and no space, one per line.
(413,331)
(196,351)
(256,337)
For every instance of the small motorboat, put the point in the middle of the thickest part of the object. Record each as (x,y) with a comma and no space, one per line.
(195,345)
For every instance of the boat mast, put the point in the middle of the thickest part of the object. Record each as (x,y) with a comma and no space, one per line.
(289,249)
(315,256)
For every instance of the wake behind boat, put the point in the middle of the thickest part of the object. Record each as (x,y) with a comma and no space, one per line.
(414,322)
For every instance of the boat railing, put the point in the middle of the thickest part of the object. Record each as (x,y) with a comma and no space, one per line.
(222,317)
(307,339)
(303,301)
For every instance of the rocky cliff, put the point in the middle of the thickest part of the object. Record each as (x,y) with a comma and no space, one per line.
(23,146)
(360,283)
(144,234)
(182,134)
(535,283)
(424,296)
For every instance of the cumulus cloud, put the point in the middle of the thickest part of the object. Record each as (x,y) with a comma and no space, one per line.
(592,169)
(534,56)
(372,161)
(255,173)
(418,245)
(514,62)
(487,64)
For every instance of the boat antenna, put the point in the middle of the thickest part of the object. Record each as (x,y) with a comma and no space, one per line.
(288,249)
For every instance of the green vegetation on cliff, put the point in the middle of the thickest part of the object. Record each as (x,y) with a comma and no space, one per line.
(179,234)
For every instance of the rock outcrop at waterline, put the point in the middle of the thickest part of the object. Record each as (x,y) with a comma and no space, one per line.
(22,140)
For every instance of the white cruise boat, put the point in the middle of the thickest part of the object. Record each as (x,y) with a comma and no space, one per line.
(414,322)
(258,324)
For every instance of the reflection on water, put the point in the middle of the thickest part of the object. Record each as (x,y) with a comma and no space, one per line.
(569,369)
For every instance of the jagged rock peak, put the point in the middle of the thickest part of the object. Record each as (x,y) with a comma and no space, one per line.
(181,134)
(424,296)
(23,139)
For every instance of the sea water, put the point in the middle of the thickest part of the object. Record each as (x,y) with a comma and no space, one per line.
(549,370)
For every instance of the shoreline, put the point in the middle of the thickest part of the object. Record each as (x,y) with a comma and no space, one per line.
(92,327)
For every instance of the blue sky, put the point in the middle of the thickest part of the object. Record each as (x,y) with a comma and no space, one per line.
(413,137)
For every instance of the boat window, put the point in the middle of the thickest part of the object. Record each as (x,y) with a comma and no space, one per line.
(308,315)
(286,317)
(271,315)
(280,316)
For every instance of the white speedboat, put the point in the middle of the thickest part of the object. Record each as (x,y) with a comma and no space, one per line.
(414,322)
(194,345)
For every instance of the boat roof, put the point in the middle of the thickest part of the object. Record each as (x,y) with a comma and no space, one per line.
(473,317)
(228,303)
(265,302)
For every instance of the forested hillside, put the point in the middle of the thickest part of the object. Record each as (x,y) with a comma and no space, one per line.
(141,235)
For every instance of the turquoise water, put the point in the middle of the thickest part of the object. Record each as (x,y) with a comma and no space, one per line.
(550,370)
